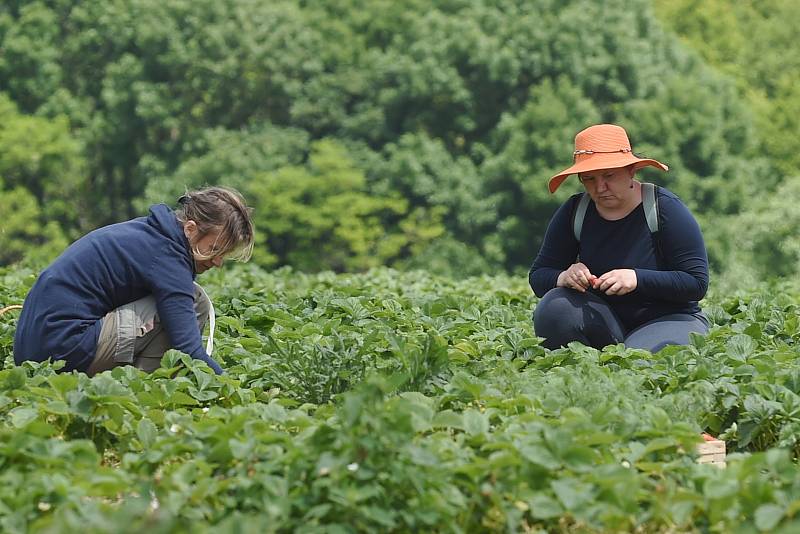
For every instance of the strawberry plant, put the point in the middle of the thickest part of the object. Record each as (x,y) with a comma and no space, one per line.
(401,402)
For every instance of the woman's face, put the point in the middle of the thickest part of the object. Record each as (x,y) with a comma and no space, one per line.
(206,245)
(609,188)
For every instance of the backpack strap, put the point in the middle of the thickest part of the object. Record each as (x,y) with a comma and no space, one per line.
(211,319)
(650,206)
(580,213)
(651,214)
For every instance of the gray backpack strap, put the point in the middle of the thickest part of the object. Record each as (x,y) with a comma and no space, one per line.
(650,206)
(580,213)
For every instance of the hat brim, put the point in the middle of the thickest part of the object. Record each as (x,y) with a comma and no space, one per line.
(604,161)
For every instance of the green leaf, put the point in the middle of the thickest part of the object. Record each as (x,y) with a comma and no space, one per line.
(241,449)
(202,395)
(63,383)
(381,516)
(768,516)
(579,458)
(475,422)
(543,506)
(468,348)
(147,432)
(14,377)
(21,416)
(740,347)
(753,330)
(720,488)
(182,398)
(57,408)
(659,444)
(540,455)
(448,419)
(203,379)
(573,493)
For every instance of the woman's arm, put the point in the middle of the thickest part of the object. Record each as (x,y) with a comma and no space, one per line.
(173,289)
(559,250)
(684,253)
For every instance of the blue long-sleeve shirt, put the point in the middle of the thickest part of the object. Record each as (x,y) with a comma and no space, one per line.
(675,286)
(63,313)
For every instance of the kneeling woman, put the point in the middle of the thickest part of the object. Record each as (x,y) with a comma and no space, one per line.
(125,294)
(609,278)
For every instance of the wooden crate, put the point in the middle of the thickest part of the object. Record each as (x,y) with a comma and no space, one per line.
(711,451)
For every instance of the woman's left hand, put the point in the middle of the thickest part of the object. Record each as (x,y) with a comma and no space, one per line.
(616,282)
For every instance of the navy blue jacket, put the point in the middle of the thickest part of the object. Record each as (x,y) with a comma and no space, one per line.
(671,283)
(105,269)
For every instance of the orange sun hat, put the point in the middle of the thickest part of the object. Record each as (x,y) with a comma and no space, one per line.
(602,146)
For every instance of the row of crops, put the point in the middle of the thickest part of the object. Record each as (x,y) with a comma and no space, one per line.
(399,402)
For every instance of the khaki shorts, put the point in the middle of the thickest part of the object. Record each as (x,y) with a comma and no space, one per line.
(133,335)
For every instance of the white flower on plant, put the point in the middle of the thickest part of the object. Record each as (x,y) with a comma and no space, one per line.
(352,467)
(175,428)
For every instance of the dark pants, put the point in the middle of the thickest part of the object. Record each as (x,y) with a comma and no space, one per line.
(565,315)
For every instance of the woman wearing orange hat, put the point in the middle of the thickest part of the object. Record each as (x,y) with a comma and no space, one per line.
(611,278)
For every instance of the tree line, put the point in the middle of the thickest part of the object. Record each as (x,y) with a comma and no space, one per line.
(416,134)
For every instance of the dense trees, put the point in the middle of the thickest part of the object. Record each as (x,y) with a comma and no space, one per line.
(410,133)
(42,185)
(754,43)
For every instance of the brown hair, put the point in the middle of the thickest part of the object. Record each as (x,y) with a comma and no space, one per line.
(223,209)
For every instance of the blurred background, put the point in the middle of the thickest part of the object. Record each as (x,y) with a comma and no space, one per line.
(417,134)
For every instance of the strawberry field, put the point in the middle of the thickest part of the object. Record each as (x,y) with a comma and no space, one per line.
(402,402)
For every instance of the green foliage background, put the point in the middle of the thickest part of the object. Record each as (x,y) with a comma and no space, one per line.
(411,134)
(417,135)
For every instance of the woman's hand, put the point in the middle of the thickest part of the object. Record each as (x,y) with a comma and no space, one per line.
(577,277)
(616,282)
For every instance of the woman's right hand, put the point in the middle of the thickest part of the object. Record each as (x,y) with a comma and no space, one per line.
(577,277)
